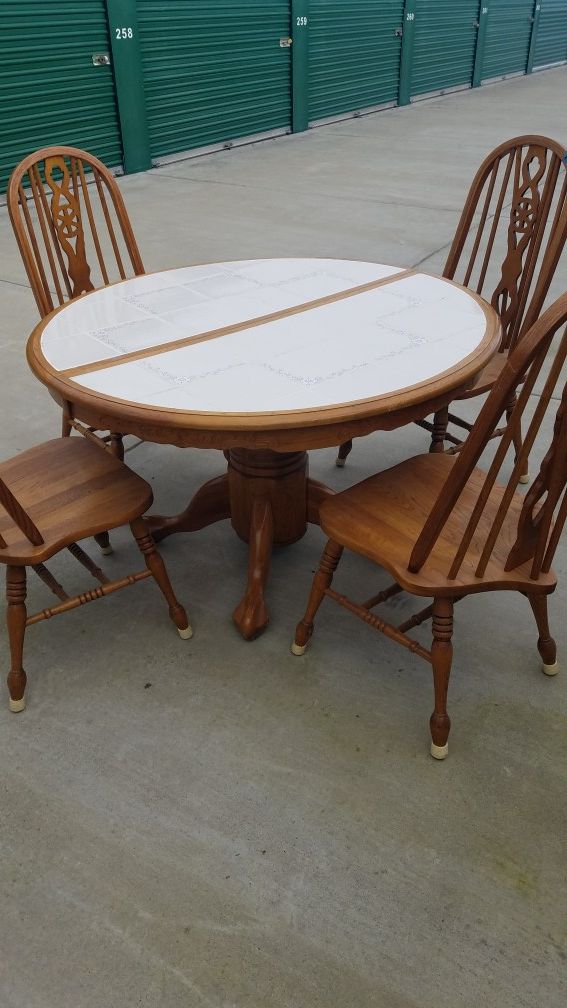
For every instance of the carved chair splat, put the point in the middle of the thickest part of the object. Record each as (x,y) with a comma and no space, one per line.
(50,497)
(445,528)
(515,214)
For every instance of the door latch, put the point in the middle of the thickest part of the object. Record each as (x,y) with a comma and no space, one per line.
(101,59)
(398,32)
(285,43)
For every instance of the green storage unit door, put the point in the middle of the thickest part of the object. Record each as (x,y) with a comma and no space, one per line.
(507,37)
(214,71)
(444,44)
(551,41)
(354,55)
(50,92)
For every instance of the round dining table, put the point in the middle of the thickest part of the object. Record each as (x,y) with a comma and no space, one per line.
(263,359)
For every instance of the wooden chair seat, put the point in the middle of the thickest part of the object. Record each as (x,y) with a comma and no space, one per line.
(71,489)
(382,518)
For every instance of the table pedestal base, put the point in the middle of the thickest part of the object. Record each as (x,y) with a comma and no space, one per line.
(269,499)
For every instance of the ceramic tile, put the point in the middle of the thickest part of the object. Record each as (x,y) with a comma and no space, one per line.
(359,347)
(359,272)
(167,299)
(277,271)
(200,359)
(311,288)
(137,335)
(424,289)
(225,311)
(236,387)
(76,350)
(69,352)
(223,285)
(80,319)
(134,381)
(152,282)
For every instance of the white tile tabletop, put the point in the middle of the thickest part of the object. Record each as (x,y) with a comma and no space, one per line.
(391,337)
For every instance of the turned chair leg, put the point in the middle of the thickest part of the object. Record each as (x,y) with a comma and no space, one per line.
(16,618)
(103,542)
(322,580)
(156,566)
(116,446)
(546,644)
(440,424)
(343,453)
(441,658)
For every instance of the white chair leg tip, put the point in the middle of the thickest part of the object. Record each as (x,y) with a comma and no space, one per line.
(340,463)
(106,550)
(525,478)
(298,649)
(550,670)
(17,705)
(439,752)
(185,634)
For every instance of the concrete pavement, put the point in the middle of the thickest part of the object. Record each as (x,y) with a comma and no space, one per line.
(215,823)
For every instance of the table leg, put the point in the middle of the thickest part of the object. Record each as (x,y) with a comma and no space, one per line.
(251,614)
(268,505)
(210,504)
(269,500)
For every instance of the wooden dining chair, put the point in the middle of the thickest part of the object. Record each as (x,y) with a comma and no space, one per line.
(444,528)
(50,497)
(515,216)
(72,230)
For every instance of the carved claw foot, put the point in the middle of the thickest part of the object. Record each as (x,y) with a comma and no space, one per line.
(251,616)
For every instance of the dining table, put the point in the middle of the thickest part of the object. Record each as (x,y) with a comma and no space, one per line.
(263,359)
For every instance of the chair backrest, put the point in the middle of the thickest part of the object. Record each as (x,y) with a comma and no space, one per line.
(20,517)
(515,215)
(544,509)
(70,223)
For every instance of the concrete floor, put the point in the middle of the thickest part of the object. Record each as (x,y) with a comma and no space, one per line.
(216,823)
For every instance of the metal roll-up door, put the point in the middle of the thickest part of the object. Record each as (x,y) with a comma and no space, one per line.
(551,39)
(444,45)
(354,55)
(50,90)
(214,72)
(508,36)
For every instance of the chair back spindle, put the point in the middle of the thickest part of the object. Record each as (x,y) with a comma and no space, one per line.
(71,225)
(516,214)
(544,508)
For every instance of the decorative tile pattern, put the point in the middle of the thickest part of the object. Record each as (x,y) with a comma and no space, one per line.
(361,347)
